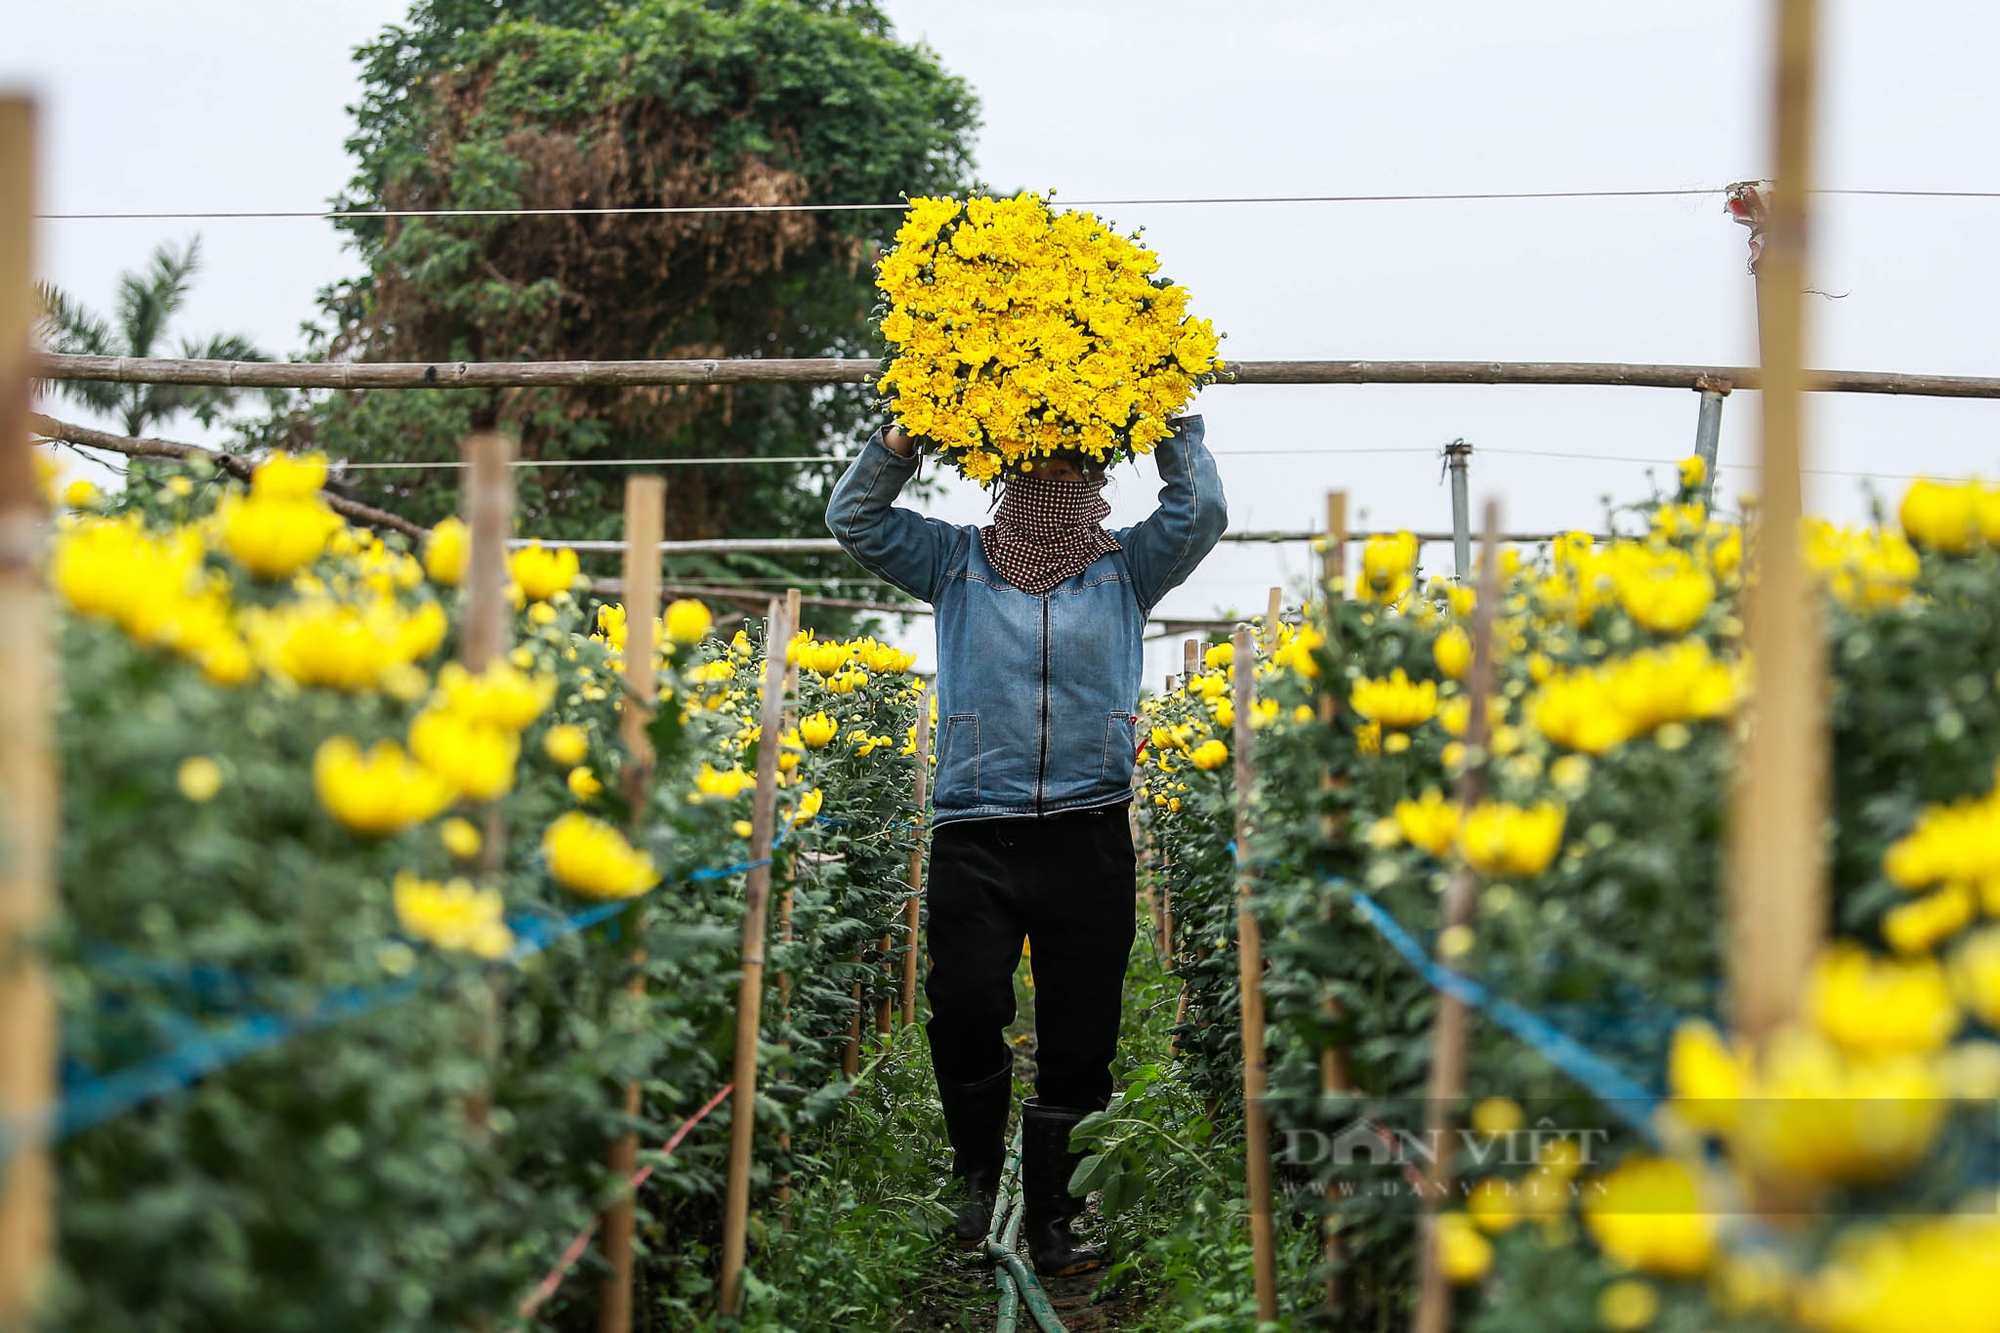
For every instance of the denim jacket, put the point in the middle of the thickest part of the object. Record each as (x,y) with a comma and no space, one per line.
(1035,693)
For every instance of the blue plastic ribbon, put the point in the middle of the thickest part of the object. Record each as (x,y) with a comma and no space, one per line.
(1624,1096)
(96,1100)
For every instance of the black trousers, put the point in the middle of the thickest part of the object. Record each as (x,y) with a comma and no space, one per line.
(1063,882)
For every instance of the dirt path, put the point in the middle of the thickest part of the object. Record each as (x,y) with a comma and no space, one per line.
(962,1293)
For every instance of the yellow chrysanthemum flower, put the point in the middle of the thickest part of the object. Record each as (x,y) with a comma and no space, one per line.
(1397,702)
(1210,754)
(1647,1214)
(447,551)
(1018,333)
(818,730)
(452,915)
(566,744)
(377,793)
(541,572)
(1498,838)
(592,858)
(475,757)
(687,621)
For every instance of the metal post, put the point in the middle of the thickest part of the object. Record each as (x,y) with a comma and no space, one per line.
(1456,455)
(1708,435)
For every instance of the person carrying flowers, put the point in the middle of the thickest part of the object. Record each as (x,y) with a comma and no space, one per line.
(1034,350)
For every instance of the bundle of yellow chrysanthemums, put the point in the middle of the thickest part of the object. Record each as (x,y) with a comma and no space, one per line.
(1018,333)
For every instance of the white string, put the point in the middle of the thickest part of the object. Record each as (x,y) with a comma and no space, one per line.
(697,210)
(840,459)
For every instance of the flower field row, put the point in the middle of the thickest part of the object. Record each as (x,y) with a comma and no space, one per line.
(1839,1178)
(284,795)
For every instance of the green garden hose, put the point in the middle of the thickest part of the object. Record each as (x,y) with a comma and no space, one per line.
(1016,1280)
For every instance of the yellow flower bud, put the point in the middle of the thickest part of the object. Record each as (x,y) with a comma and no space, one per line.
(461,838)
(566,744)
(199,778)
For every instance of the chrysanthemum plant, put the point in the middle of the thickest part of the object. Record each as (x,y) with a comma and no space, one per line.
(1017,333)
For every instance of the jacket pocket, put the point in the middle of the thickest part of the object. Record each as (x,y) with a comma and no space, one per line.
(1120,749)
(958,759)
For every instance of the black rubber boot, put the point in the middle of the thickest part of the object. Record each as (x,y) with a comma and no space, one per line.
(1046,1166)
(975,1120)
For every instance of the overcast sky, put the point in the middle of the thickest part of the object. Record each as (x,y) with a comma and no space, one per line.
(213,105)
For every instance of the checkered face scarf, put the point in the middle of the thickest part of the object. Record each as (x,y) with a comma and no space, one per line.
(1045,530)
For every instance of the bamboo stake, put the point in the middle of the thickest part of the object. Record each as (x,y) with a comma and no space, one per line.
(861,370)
(1334,1074)
(850,1054)
(1448,1039)
(793,598)
(750,1002)
(1190,659)
(1777,899)
(28,783)
(1250,959)
(489,513)
(1334,570)
(792,602)
(912,911)
(1274,609)
(645,517)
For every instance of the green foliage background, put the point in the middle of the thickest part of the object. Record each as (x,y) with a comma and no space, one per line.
(583,103)
(422,1163)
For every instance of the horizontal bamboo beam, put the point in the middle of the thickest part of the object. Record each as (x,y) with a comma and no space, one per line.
(858,370)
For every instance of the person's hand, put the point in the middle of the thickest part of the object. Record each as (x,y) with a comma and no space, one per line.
(897,442)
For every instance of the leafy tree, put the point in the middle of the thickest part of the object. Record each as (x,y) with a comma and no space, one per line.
(526,104)
(147,303)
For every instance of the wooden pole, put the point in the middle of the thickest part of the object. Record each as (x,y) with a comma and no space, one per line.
(750,1001)
(1334,570)
(1190,660)
(489,513)
(645,518)
(28,783)
(792,606)
(1250,958)
(850,1052)
(862,370)
(1777,899)
(1448,1037)
(791,720)
(1334,1075)
(1274,610)
(913,910)
(489,517)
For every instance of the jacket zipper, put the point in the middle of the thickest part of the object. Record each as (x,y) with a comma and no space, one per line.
(1042,764)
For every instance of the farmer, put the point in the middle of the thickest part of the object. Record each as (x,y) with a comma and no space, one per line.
(1039,619)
